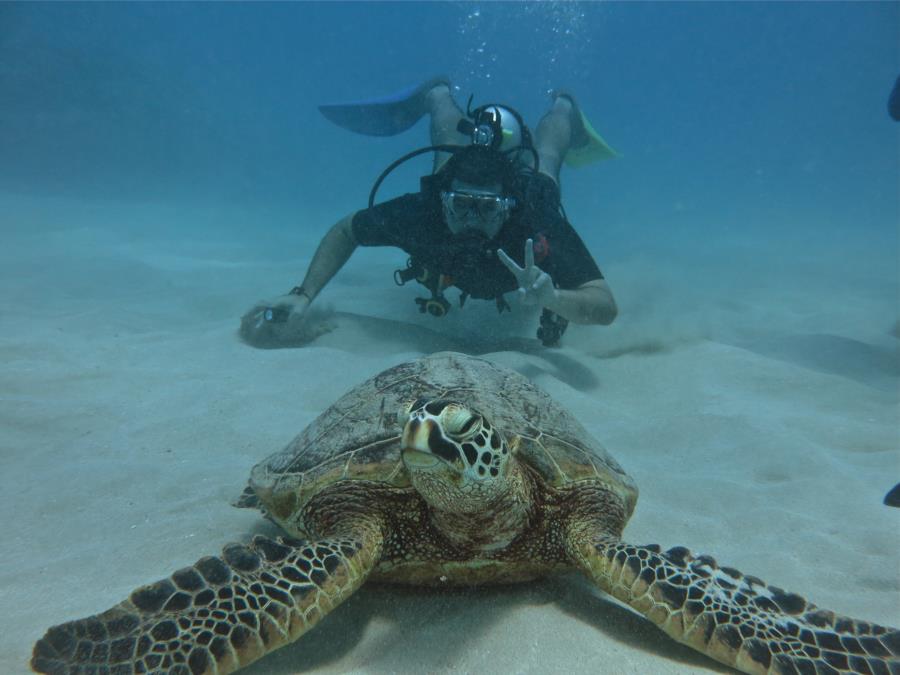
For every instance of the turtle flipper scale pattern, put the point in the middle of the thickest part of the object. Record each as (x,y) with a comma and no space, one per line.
(218,615)
(734,618)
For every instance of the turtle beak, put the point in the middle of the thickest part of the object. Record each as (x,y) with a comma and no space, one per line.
(416,452)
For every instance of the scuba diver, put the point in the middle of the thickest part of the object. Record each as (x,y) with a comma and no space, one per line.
(488,220)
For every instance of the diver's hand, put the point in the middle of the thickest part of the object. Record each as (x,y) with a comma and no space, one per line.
(274,320)
(535,285)
(284,309)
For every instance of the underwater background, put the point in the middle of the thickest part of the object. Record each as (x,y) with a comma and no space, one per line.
(163,166)
(725,113)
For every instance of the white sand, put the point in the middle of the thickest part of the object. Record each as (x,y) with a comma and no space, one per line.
(756,408)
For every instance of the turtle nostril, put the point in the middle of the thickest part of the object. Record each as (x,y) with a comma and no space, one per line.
(411,408)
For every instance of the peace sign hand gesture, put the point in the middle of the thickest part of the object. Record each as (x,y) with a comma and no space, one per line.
(535,285)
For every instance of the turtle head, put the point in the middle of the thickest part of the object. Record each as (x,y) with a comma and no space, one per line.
(456,458)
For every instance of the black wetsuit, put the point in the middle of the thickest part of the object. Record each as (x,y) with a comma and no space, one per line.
(415,223)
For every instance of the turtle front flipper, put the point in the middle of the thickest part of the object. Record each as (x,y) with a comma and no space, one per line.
(734,618)
(218,615)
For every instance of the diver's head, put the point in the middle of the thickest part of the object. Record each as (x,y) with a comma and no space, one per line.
(478,191)
(475,207)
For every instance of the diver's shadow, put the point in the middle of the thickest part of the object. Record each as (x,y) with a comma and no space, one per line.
(433,627)
(360,334)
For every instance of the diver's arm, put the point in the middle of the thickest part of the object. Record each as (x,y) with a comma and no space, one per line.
(590,303)
(281,320)
(334,250)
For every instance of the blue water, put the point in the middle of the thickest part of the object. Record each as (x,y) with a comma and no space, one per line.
(745,113)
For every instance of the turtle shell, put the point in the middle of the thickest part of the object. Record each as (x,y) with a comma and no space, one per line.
(358,437)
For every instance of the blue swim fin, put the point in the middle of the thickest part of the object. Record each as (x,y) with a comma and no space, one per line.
(894,102)
(387,116)
(892,498)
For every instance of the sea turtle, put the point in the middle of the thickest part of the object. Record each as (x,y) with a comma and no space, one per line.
(448,470)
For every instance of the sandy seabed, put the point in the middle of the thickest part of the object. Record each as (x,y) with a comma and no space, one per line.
(756,408)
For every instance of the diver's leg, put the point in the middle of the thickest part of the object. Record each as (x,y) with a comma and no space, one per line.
(445,116)
(564,134)
(553,136)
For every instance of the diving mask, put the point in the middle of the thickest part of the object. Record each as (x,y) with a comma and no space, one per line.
(469,209)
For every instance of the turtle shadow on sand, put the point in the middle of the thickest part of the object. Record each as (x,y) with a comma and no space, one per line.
(434,628)
(375,336)
(436,625)
(577,598)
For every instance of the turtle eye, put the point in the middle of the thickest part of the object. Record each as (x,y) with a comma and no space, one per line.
(468,426)
(459,420)
(463,425)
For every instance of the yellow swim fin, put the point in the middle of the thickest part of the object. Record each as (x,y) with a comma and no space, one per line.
(594,150)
